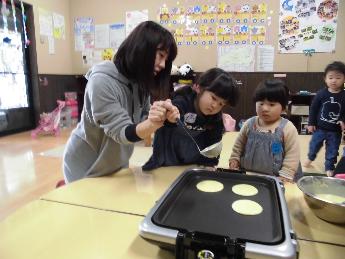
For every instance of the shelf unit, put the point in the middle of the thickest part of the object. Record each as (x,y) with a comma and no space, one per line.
(299,106)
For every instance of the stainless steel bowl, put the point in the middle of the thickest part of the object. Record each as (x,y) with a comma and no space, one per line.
(315,188)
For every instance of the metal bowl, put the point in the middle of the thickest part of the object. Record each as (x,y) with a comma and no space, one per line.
(325,196)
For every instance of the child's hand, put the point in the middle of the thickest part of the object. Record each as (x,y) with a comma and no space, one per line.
(342,125)
(284,180)
(234,164)
(173,114)
(311,128)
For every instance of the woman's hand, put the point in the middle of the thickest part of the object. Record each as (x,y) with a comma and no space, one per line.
(234,164)
(157,113)
(162,110)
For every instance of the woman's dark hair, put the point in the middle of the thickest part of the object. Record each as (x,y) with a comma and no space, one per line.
(274,90)
(335,66)
(136,56)
(220,83)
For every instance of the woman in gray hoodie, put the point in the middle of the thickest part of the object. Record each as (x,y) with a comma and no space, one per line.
(117,111)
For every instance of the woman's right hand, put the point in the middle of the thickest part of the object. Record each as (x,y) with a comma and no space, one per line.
(162,110)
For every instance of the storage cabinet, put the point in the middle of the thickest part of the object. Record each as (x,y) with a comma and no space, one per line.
(298,110)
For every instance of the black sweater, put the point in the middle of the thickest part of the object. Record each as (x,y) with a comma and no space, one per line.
(172,145)
(327,109)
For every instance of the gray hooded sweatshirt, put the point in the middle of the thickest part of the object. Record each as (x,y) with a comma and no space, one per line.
(98,146)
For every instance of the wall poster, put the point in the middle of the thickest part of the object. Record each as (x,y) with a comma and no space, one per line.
(307,25)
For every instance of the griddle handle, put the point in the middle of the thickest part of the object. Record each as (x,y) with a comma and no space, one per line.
(199,245)
(226,170)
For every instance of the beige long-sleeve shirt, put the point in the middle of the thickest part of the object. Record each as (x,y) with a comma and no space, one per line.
(290,143)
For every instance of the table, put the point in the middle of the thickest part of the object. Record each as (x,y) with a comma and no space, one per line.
(132,191)
(45,229)
(53,230)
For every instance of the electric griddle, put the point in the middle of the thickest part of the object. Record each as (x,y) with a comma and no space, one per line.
(198,224)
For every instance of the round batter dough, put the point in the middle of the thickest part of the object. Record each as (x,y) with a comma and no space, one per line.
(210,186)
(247,207)
(244,189)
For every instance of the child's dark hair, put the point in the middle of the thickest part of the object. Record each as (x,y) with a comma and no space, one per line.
(335,66)
(273,90)
(220,83)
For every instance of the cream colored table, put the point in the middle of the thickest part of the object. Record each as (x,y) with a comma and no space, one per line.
(129,190)
(44,229)
(50,230)
(135,192)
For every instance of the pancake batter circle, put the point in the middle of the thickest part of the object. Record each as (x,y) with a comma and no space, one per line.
(244,189)
(247,207)
(210,186)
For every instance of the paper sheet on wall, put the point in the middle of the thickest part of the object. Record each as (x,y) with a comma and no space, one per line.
(265,58)
(51,45)
(46,22)
(117,35)
(101,36)
(91,57)
(307,25)
(84,33)
(59,26)
(133,18)
(236,58)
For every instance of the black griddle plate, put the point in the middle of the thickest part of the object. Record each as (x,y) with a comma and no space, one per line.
(187,208)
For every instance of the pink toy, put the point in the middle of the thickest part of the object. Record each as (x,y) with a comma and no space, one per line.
(49,122)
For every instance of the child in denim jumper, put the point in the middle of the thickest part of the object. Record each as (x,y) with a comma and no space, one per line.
(268,143)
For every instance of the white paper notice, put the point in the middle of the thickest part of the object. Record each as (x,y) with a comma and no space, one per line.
(117,35)
(51,45)
(236,58)
(133,18)
(59,26)
(46,22)
(102,36)
(265,58)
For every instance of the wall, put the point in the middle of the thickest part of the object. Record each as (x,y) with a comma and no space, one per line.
(61,62)
(67,61)
(110,11)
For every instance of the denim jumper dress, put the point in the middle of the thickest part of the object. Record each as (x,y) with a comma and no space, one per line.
(264,151)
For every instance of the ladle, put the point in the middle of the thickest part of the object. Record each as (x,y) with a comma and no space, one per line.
(210,151)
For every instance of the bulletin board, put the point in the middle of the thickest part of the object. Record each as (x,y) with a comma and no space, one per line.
(222,26)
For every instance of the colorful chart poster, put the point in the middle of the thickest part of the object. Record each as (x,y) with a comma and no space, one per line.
(224,34)
(307,25)
(216,23)
(207,35)
(84,33)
